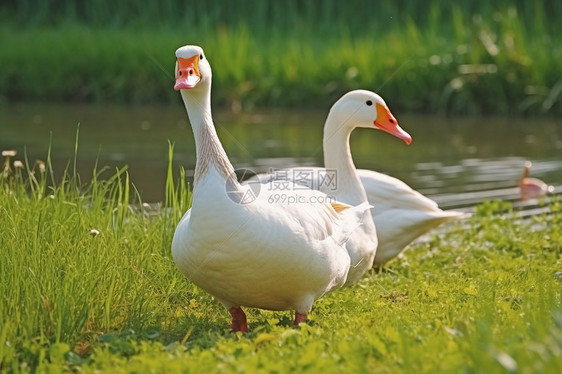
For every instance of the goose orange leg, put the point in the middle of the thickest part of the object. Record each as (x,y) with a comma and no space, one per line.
(299,317)
(239,322)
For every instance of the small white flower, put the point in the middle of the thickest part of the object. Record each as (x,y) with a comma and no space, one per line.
(40,165)
(9,153)
(94,232)
(18,164)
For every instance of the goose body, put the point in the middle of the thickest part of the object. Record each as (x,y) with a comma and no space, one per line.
(399,213)
(259,254)
(253,252)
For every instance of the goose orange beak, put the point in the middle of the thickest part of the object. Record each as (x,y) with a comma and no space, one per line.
(386,122)
(187,75)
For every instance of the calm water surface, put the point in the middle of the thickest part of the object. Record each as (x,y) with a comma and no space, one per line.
(449,158)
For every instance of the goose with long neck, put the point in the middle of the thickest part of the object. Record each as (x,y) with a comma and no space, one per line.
(358,108)
(258,252)
(400,214)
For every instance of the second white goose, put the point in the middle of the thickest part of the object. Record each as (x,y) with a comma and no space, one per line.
(400,214)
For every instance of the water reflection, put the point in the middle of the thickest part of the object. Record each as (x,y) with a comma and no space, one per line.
(447,157)
(474,180)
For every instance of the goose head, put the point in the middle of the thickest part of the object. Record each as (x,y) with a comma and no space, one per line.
(361,108)
(193,70)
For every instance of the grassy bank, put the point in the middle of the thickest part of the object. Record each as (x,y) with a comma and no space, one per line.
(88,284)
(471,58)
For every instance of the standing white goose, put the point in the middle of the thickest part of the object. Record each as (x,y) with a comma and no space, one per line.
(400,214)
(253,252)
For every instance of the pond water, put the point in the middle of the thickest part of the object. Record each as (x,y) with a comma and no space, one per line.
(450,159)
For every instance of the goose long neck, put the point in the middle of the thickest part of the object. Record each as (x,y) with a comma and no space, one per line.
(208,148)
(337,155)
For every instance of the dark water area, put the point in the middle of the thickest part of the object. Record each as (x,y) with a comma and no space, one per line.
(448,158)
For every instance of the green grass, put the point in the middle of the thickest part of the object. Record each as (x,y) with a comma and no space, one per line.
(468,58)
(485,297)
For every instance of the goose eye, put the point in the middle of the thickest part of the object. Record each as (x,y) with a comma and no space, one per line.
(369,102)
(201,57)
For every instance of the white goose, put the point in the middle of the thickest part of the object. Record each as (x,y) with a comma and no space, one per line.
(400,214)
(252,252)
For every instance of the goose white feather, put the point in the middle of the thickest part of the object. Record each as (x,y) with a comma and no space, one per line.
(399,213)
(261,253)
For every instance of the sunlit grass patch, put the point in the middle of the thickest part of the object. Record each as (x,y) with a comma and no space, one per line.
(88,284)
(80,259)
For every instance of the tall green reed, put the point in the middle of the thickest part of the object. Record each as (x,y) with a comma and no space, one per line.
(80,259)
(261,15)
(460,58)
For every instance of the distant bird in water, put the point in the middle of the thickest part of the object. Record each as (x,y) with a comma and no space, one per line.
(532,188)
